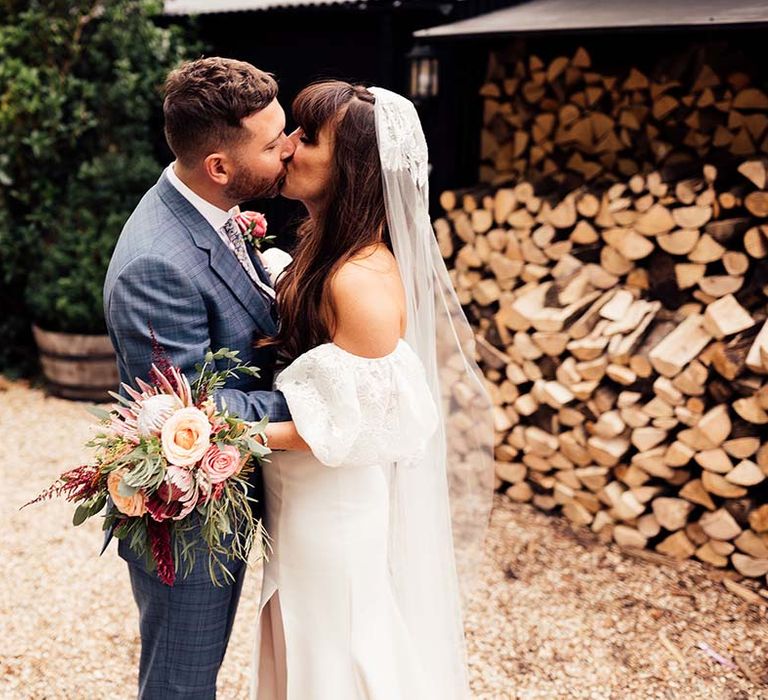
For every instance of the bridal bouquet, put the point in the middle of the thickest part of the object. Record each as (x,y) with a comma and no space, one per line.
(176,469)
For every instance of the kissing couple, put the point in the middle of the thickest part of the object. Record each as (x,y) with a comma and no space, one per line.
(377,493)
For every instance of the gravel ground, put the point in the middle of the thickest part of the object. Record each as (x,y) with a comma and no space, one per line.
(559,615)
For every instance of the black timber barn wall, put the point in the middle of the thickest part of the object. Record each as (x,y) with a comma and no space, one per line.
(464,62)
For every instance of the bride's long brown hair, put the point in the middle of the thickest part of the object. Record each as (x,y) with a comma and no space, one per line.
(352,218)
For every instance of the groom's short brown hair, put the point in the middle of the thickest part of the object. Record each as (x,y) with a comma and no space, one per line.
(207,99)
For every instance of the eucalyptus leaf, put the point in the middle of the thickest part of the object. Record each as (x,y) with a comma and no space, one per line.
(261,426)
(100,413)
(121,399)
(82,513)
(97,505)
(258,449)
(125,490)
(250,371)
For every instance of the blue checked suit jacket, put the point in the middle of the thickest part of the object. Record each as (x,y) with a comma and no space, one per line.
(171,269)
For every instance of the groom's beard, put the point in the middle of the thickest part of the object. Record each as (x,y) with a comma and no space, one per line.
(246,185)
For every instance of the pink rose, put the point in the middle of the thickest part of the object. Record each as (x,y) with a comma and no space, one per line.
(219,463)
(259,226)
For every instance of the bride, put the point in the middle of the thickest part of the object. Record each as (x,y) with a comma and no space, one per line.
(378,504)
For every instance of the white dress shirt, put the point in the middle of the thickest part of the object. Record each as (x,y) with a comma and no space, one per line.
(216,218)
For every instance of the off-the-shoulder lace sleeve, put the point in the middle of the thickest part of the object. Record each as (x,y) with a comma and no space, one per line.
(356,411)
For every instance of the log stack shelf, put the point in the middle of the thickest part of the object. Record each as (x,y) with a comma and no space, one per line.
(613,261)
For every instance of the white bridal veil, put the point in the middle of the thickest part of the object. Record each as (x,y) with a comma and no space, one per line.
(441,505)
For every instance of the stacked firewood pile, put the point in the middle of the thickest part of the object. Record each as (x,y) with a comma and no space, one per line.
(563,120)
(615,266)
(622,329)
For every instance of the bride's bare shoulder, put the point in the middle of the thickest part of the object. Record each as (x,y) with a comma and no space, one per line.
(367,303)
(376,258)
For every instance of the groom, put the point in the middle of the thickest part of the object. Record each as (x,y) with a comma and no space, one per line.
(182,266)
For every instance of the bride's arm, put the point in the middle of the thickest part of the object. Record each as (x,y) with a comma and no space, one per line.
(284,436)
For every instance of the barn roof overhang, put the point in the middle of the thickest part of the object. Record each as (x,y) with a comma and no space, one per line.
(539,16)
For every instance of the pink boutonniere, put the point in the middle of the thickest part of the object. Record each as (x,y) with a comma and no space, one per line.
(253,226)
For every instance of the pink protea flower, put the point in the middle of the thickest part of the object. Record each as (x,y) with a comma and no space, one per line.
(177,385)
(124,420)
(176,497)
(183,488)
(153,413)
(124,427)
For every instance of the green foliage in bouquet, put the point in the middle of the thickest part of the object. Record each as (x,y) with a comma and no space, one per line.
(80,139)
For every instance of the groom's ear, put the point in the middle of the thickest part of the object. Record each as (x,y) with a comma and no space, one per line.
(217,167)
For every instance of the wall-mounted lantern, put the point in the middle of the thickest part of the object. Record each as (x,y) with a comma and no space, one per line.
(423,68)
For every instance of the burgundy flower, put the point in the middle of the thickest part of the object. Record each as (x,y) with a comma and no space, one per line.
(162,505)
(160,362)
(160,544)
(75,485)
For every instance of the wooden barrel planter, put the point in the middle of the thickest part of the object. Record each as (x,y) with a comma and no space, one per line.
(80,367)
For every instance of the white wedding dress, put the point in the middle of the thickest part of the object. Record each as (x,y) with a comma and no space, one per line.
(380,529)
(330,627)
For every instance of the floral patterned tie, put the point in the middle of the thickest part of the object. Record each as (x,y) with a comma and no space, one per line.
(232,231)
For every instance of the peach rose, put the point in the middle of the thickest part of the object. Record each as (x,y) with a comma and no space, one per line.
(135,505)
(186,436)
(219,463)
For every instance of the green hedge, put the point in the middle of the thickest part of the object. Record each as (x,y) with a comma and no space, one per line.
(80,126)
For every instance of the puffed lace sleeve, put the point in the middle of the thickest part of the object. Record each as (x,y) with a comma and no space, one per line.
(357,411)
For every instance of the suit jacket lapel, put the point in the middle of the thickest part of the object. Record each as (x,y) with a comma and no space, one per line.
(222,260)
